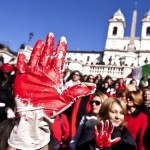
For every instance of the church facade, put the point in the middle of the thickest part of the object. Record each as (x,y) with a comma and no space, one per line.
(127,51)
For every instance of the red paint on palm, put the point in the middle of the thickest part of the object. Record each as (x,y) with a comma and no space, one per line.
(103,137)
(39,82)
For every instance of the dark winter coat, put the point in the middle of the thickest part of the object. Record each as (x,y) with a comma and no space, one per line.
(87,139)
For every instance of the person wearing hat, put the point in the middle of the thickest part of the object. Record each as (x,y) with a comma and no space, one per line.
(7,103)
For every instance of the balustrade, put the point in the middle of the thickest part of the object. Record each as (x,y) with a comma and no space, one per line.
(114,71)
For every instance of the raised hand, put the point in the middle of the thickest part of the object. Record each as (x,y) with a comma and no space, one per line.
(38,83)
(103,137)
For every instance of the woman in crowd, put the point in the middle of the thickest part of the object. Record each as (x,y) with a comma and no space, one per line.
(137,120)
(109,80)
(146,110)
(66,74)
(111,92)
(74,78)
(146,101)
(84,78)
(106,84)
(113,110)
(104,87)
(121,94)
(6,92)
(98,80)
(144,82)
(95,105)
(134,83)
(90,78)
(121,83)
(99,77)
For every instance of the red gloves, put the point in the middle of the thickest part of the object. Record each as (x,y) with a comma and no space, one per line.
(103,137)
(38,83)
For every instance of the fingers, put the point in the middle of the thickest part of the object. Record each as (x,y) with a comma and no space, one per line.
(108,129)
(59,58)
(77,91)
(96,131)
(106,125)
(101,127)
(35,55)
(47,52)
(21,63)
(42,53)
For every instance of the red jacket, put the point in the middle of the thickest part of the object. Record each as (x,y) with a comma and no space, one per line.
(75,113)
(58,131)
(137,123)
(122,87)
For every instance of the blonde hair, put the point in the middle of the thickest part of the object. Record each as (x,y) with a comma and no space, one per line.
(106,107)
(136,97)
(101,95)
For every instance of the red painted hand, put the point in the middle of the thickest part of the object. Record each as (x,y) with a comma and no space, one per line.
(38,83)
(103,137)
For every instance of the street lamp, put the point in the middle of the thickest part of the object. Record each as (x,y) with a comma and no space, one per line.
(31,34)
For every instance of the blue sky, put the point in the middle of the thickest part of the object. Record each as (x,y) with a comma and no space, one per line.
(83,22)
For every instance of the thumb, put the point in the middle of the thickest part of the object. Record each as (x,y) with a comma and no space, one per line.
(79,90)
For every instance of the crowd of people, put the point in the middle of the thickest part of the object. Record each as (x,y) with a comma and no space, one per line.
(126,106)
(135,110)
(90,113)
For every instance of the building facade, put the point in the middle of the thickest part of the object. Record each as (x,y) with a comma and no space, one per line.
(128,51)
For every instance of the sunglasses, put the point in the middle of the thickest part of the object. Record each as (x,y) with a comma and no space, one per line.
(96,102)
(76,74)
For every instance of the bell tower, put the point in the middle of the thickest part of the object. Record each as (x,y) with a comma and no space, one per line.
(145,33)
(116,30)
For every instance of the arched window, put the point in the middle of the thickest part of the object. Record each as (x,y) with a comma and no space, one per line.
(148,31)
(115,31)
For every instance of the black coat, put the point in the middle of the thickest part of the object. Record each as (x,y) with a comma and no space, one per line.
(87,139)
(6,97)
(146,110)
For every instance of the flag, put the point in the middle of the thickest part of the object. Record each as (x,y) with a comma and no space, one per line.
(139,72)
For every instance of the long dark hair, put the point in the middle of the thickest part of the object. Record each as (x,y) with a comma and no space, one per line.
(72,73)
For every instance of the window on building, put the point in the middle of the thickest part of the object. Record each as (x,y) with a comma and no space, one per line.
(115,31)
(148,31)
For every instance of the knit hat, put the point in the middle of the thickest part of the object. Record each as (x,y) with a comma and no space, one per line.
(7,68)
